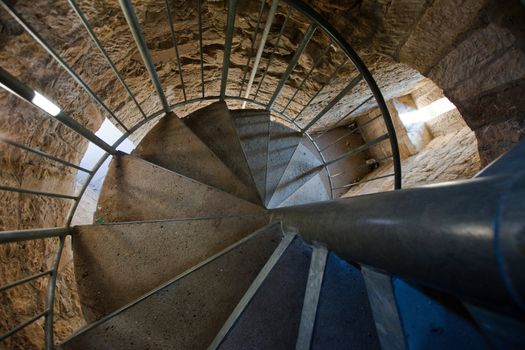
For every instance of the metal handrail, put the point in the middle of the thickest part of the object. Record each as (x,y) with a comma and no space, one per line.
(317,23)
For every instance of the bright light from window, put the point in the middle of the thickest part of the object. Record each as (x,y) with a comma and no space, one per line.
(427,113)
(45,104)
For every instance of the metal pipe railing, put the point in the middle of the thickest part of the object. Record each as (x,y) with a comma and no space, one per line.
(28,28)
(351,132)
(274,49)
(346,187)
(359,149)
(264,38)
(23,325)
(42,154)
(134,27)
(252,46)
(230,23)
(175,47)
(334,101)
(25,280)
(201,51)
(330,80)
(104,53)
(293,62)
(458,237)
(338,39)
(36,193)
(310,71)
(28,235)
(27,94)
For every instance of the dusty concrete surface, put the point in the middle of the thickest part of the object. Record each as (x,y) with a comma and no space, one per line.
(108,258)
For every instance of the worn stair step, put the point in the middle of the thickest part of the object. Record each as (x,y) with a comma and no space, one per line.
(214,125)
(303,165)
(187,312)
(271,320)
(382,301)
(253,127)
(117,263)
(314,190)
(136,190)
(432,320)
(282,144)
(172,145)
(344,319)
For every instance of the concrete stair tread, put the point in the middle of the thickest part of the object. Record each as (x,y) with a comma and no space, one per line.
(344,318)
(214,125)
(271,320)
(303,165)
(252,126)
(282,144)
(172,145)
(136,190)
(117,263)
(187,312)
(314,190)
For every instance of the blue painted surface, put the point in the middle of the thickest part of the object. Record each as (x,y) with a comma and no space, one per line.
(344,317)
(429,325)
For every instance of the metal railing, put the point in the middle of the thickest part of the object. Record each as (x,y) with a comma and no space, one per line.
(316,24)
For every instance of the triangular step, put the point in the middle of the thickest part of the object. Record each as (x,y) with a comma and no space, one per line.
(253,127)
(315,190)
(304,165)
(188,311)
(172,145)
(117,263)
(214,125)
(136,190)
(344,318)
(283,142)
(271,320)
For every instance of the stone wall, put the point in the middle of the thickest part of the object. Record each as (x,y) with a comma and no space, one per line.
(372,127)
(473,50)
(453,156)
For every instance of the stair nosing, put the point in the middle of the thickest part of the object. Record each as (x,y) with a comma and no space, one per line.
(119,153)
(199,218)
(171,281)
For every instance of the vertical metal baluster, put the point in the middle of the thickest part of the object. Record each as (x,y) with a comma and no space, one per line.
(272,55)
(26,93)
(315,64)
(51,288)
(350,133)
(262,44)
(201,52)
(330,79)
(10,9)
(232,8)
(104,53)
(254,38)
(298,52)
(334,101)
(346,116)
(359,149)
(174,38)
(134,26)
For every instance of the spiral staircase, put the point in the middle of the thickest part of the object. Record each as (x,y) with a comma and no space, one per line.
(222,229)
